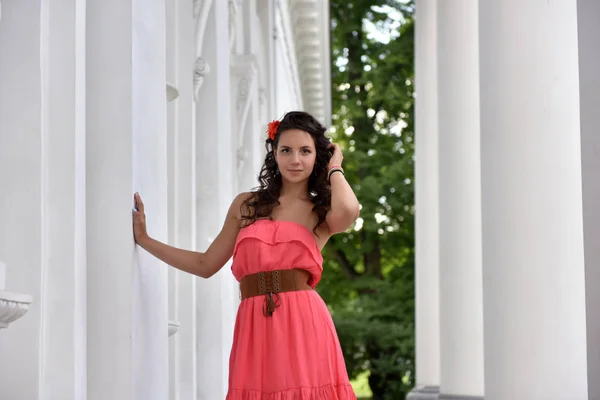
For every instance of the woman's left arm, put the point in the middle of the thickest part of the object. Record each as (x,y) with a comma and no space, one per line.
(345,208)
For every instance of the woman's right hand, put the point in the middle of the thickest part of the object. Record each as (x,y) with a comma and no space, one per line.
(139,220)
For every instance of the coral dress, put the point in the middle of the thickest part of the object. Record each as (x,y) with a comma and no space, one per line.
(295,353)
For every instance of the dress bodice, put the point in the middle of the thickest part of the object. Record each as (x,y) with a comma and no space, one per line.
(268,245)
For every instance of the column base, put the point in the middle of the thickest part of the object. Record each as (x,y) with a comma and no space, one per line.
(424,393)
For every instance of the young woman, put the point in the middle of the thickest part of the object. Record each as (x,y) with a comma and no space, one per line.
(285,345)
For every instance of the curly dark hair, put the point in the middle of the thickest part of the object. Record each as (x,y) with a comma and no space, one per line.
(265,197)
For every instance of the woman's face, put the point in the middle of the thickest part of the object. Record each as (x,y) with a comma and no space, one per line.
(295,155)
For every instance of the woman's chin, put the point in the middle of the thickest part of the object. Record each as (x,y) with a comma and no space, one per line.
(295,178)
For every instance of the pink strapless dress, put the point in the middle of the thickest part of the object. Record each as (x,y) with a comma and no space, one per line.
(294,354)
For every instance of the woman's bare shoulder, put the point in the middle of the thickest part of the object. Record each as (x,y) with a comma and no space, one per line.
(240,203)
(244,196)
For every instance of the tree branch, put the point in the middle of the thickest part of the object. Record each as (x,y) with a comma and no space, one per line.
(372,259)
(343,261)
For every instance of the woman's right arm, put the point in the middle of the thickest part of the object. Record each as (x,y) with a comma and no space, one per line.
(205,264)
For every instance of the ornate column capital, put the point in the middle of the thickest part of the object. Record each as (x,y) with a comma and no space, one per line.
(201,69)
(310,25)
(234,6)
(201,9)
(262,95)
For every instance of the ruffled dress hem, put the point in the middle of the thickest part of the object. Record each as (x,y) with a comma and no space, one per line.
(342,391)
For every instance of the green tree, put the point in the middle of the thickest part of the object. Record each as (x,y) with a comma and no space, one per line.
(369,284)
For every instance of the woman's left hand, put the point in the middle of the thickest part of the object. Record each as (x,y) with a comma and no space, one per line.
(337,157)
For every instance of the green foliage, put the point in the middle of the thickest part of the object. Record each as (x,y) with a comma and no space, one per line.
(369,279)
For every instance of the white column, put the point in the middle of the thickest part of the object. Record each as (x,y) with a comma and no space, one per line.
(43,62)
(171,20)
(533,258)
(244,136)
(253,141)
(23,215)
(588,13)
(286,80)
(426,198)
(63,360)
(461,299)
(126,152)
(265,21)
(184,386)
(215,169)
(54,151)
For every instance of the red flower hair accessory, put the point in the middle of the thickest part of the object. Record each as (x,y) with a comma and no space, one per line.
(272,128)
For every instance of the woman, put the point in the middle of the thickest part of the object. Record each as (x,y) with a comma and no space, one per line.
(285,345)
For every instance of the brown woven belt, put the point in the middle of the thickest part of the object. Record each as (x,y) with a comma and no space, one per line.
(271,283)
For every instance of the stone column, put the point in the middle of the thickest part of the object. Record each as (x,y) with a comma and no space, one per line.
(214,174)
(588,15)
(126,152)
(531,160)
(461,298)
(426,199)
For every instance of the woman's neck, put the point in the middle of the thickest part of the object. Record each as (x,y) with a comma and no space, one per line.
(295,191)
